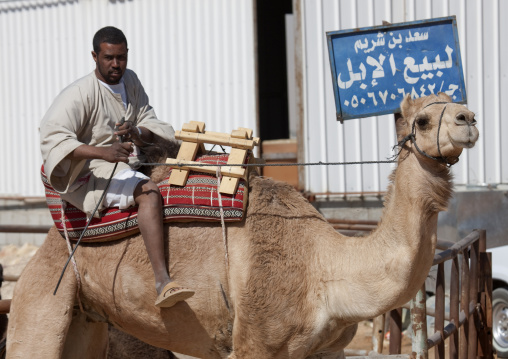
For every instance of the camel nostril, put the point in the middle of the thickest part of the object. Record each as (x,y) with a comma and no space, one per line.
(461,119)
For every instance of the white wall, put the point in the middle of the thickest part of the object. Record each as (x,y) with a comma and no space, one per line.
(483,44)
(195,58)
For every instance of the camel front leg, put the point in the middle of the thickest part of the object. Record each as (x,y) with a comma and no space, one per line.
(86,339)
(39,320)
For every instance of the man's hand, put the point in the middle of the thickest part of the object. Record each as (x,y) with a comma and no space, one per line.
(126,131)
(117,152)
(140,136)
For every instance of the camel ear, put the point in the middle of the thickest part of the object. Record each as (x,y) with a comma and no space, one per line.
(401,127)
(444,97)
(405,105)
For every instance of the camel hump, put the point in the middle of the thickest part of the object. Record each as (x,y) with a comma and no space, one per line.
(270,197)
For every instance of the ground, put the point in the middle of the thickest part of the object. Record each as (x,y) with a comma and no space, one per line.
(363,340)
(14,259)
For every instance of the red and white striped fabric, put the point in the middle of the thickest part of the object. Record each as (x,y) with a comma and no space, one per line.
(198,200)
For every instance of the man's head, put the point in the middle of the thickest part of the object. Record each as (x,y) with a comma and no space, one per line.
(110,54)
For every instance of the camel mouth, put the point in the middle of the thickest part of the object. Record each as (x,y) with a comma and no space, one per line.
(470,143)
(465,139)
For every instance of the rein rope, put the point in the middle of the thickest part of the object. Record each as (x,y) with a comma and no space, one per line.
(74,264)
(411,137)
(223,224)
(320,163)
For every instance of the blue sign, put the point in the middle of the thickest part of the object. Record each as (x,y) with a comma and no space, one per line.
(373,68)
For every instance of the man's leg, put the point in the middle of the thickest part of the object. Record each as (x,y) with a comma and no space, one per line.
(149,201)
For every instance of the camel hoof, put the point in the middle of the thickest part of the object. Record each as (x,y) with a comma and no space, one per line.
(171,294)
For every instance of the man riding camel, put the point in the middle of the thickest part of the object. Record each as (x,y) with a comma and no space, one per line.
(80,145)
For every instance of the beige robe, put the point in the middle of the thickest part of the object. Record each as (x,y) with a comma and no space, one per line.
(86,113)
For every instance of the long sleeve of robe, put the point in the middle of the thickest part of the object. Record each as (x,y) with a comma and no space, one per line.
(86,113)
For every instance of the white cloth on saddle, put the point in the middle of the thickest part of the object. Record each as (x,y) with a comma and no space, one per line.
(120,192)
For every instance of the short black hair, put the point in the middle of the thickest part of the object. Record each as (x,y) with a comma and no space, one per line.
(110,35)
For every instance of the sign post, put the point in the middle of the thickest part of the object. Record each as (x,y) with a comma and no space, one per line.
(373,68)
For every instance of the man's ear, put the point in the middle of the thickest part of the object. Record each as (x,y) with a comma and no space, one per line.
(94,55)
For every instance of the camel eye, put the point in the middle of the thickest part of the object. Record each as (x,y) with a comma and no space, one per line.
(422,122)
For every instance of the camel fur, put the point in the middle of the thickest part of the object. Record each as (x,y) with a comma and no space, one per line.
(293,288)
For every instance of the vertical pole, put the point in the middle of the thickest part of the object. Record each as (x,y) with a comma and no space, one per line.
(473,297)
(299,13)
(440,310)
(454,308)
(485,335)
(464,305)
(419,325)
(3,317)
(395,331)
(482,242)
(378,333)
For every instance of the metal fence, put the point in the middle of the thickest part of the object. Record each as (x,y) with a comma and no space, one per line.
(469,328)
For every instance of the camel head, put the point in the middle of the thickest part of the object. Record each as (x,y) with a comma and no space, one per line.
(437,128)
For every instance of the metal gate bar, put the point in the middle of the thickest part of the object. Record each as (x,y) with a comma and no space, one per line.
(470,318)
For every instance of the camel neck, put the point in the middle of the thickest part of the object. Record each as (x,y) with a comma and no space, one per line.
(386,268)
(420,188)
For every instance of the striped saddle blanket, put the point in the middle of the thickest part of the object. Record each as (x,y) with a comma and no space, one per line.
(198,200)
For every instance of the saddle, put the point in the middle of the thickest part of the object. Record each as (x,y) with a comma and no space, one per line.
(189,193)
(198,200)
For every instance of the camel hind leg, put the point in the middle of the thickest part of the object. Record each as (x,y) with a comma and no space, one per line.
(39,320)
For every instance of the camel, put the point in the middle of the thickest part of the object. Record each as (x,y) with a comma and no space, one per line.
(292,287)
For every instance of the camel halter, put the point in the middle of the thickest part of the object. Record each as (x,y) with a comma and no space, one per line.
(449,161)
